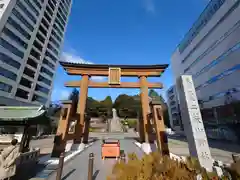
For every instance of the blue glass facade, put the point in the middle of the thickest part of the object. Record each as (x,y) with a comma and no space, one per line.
(218,60)
(214,45)
(219,76)
(207,14)
(222,94)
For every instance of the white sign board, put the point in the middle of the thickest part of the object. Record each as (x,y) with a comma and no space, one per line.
(192,121)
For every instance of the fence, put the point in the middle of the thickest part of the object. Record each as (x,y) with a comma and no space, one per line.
(26,163)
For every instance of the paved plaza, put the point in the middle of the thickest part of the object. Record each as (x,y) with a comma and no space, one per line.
(78,167)
(220,150)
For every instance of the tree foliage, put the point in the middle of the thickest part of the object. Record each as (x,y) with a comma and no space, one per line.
(74,96)
(99,108)
(154,95)
(127,105)
(156,167)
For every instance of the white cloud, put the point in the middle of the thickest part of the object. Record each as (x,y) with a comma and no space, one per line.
(72,58)
(149,6)
(69,57)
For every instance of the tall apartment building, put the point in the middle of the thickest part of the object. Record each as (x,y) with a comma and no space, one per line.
(31,35)
(210,52)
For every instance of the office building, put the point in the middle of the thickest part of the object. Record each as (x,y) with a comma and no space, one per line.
(173,108)
(210,52)
(31,35)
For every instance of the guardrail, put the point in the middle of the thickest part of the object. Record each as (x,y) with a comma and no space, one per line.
(28,156)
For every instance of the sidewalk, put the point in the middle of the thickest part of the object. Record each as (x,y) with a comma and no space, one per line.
(48,165)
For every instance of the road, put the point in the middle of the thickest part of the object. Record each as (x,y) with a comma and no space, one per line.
(78,167)
(220,150)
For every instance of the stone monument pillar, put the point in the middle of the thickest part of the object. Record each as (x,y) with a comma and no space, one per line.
(192,121)
(115,124)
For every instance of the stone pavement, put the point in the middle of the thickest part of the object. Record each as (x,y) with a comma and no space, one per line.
(113,135)
(78,167)
(220,150)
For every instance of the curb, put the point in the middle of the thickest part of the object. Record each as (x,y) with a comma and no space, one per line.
(51,167)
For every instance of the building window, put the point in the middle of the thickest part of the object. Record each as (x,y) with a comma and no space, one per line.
(48,54)
(8,74)
(173,109)
(11,48)
(49,11)
(38,4)
(15,38)
(172,103)
(46,62)
(40,38)
(52,49)
(207,14)
(45,23)
(52,4)
(25,82)
(32,7)
(62,14)
(29,72)
(56,36)
(176,122)
(42,30)
(1,6)
(46,71)
(5,87)
(38,45)
(22,93)
(44,80)
(39,99)
(18,28)
(42,89)
(59,24)
(25,10)
(47,17)
(35,54)
(6,59)
(223,93)
(220,76)
(171,97)
(54,42)
(32,63)
(22,19)
(61,19)
(64,7)
(221,58)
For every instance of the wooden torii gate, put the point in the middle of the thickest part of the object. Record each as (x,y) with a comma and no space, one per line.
(114,74)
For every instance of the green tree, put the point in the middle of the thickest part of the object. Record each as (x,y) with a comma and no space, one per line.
(126,105)
(154,95)
(74,96)
(92,107)
(108,105)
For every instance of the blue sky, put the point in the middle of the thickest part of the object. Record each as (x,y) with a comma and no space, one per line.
(125,32)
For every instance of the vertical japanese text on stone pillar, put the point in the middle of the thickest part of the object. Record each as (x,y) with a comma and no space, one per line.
(192,120)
